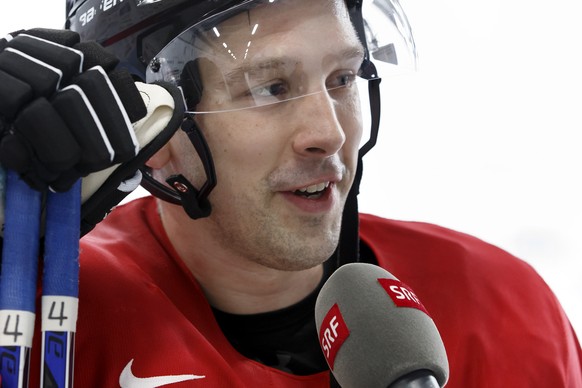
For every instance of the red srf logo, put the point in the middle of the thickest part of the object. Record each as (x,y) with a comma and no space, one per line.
(401,294)
(332,334)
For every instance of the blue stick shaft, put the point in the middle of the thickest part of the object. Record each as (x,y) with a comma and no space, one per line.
(60,285)
(21,245)
(18,280)
(61,254)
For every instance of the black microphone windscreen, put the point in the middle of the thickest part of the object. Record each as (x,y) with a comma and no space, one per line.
(374,330)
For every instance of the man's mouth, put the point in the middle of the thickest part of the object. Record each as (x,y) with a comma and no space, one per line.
(313,191)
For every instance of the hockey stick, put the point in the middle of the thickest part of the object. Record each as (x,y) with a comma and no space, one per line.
(18,280)
(18,283)
(60,287)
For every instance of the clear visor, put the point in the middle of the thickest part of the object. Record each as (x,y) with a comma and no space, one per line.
(263,53)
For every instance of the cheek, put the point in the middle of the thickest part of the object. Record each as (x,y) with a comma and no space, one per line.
(237,143)
(241,146)
(350,118)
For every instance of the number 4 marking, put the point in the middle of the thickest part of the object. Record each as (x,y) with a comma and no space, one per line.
(14,333)
(59,313)
(61,318)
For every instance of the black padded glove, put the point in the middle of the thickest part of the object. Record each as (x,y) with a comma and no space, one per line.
(61,117)
(65,113)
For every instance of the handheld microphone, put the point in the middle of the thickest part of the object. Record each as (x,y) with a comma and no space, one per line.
(375,332)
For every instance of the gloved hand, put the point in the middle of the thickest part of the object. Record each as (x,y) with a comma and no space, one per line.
(66,113)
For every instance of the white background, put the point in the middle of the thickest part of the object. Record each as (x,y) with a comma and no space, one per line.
(484,138)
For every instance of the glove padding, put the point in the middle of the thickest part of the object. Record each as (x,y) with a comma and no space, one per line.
(61,117)
(65,113)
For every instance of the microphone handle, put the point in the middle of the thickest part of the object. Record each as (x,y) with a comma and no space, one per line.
(417,379)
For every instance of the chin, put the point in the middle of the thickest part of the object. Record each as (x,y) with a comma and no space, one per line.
(294,266)
(301,259)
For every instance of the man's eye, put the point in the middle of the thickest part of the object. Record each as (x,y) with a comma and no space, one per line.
(276,89)
(342,80)
(347,79)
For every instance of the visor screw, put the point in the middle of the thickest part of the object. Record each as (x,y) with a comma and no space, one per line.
(180,187)
(155,65)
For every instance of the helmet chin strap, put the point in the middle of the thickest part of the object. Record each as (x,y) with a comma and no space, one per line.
(348,250)
(195,202)
(182,192)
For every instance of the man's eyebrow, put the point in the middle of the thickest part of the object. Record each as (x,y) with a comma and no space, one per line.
(352,52)
(251,68)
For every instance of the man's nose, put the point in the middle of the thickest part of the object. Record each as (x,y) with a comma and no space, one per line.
(318,130)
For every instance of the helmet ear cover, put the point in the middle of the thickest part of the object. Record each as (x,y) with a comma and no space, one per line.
(195,202)
(191,84)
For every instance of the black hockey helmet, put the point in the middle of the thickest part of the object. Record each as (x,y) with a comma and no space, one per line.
(137,30)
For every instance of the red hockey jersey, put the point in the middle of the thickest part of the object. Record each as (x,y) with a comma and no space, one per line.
(144,320)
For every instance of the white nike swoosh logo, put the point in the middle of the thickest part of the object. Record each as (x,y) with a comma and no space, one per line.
(128,380)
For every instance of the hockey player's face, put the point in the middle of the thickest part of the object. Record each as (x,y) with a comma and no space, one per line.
(285,165)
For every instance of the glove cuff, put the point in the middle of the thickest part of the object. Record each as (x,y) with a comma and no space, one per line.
(105,189)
